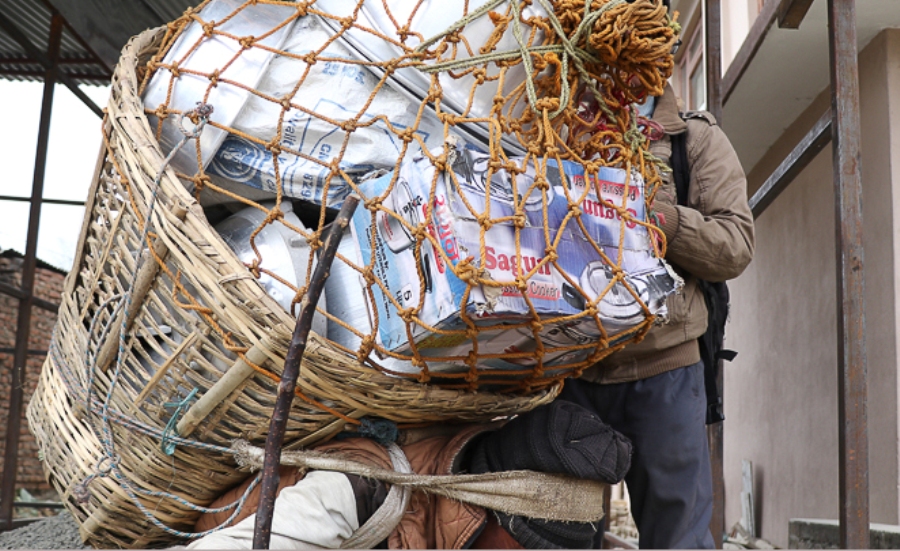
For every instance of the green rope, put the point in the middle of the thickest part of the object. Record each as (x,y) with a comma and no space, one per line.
(165,444)
(501,55)
(488,6)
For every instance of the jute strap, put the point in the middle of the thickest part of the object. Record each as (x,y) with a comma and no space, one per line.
(382,522)
(527,493)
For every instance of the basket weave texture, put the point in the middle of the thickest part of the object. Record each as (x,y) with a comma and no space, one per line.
(197,313)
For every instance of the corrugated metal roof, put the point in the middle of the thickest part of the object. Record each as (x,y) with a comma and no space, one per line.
(106,25)
(32,19)
(168,10)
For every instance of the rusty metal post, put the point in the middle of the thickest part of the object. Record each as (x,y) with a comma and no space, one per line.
(23,325)
(853,431)
(715,433)
(262,530)
(713,35)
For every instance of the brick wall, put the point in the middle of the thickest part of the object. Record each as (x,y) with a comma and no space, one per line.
(48,286)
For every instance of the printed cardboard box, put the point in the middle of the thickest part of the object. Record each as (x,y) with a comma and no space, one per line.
(555,291)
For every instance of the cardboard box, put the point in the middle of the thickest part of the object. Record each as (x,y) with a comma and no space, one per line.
(555,292)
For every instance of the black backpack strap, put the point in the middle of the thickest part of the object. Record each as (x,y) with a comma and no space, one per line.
(681,170)
(712,343)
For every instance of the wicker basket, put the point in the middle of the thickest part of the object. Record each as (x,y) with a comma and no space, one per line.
(105,433)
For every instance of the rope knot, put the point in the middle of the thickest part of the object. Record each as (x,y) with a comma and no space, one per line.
(403,33)
(246,42)
(81,493)
(447,118)
(273,215)
(472,375)
(201,111)
(440,164)
(302,9)
(467,272)
(407,314)
(372,204)
(423,377)
(201,181)
(366,345)
(521,284)
(369,276)
(547,104)
(419,232)
(274,147)
(407,135)
(486,222)
(161,112)
(314,242)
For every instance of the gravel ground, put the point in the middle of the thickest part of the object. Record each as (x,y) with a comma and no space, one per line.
(59,532)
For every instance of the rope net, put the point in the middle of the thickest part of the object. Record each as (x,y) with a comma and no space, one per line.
(502,238)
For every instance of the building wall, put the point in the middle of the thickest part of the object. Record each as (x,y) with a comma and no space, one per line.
(48,286)
(737,17)
(781,392)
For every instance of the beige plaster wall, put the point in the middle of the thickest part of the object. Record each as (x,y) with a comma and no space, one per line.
(781,391)
(737,16)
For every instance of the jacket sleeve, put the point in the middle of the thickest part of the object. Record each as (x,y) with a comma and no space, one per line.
(713,237)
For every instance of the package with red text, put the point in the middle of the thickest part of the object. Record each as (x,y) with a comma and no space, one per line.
(468,211)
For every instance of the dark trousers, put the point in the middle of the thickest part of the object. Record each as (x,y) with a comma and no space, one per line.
(670,482)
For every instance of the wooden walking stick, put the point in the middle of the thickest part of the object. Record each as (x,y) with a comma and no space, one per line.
(262,531)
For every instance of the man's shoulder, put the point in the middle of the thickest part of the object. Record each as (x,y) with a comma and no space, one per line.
(703,116)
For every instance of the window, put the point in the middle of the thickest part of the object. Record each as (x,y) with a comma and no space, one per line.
(690,70)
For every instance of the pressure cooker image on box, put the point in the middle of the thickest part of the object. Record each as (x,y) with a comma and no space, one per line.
(409,208)
(618,304)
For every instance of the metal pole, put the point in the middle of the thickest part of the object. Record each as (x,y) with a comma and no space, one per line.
(713,30)
(715,433)
(853,432)
(262,530)
(23,326)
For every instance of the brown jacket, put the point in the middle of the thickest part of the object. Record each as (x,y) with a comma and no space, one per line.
(430,522)
(711,238)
